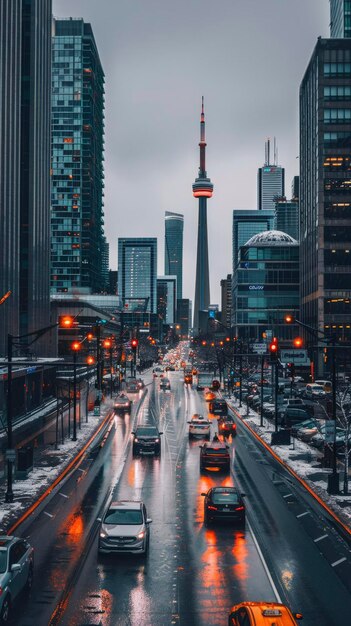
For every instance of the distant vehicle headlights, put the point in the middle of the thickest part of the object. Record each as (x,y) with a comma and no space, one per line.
(103,534)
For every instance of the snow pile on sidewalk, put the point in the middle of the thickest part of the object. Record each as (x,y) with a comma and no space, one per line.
(303,459)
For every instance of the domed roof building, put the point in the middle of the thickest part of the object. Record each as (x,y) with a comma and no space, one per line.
(266,287)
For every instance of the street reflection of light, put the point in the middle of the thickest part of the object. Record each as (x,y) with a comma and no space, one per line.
(75,528)
(240,553)
(140,603)
(287,578)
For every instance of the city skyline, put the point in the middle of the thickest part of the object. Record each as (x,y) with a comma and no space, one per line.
(153,88)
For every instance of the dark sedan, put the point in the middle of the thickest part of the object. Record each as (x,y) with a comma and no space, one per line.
(224,503)
(226,426)
(146,440)
(214,455)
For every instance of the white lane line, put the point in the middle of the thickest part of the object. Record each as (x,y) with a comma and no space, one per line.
(302,514)
(265,566)
(320,538)
(287,495)
(48,514)
(62,494)
(81,470)
(339,561)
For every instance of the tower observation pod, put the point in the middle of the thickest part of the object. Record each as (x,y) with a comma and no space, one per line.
(202,189)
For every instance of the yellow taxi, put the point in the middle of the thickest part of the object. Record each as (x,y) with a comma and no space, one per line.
(262,614)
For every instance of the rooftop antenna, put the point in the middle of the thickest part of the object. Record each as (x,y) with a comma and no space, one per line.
(275,151)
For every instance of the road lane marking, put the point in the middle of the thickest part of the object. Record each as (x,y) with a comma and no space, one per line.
(265,566)
(302,514)
(48,514)
(287,495)
(339,561)
(320,538)
(62,494)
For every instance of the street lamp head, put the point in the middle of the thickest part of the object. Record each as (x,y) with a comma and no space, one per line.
(66,321)
(289,319)
(90,336)
(298,342)
(107,343)
(76,346)
(90,360)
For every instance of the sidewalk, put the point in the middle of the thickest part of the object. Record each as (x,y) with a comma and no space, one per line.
(49,465)
(302,459)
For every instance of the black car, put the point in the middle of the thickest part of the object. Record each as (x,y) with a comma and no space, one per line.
(226,426)
(224,503)
(218,407)
(146,440)
(214,454)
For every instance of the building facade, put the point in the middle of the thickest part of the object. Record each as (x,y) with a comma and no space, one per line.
(174,226)
(77,236)
(270,180)
(137,273)
(226,301)
(184,316)
(286,217)
(167,299)
(266,286)
(25,96)
(340,18)
(325,191)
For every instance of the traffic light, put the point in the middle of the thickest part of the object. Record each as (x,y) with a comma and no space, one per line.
(298,342)
(291,369)
(274,348)
(134,344)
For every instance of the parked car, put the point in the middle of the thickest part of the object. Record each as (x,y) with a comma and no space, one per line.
(214,454)
(293,416)
(125,527)
(262,614)
(318,440)
(122,403)
(314,391)
(226,426)
(199,426)
(307,423)
(146,440)
(224,503)
(16,572)
(326,384)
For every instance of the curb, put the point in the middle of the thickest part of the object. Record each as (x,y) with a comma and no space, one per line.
(302,482)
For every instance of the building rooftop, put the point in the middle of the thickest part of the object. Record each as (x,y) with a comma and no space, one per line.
(271,238)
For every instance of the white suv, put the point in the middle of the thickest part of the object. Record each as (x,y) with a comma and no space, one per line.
(199,426)
(125,527)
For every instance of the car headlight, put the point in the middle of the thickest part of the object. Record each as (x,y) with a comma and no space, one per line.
(103,534)
(141,535)
(157,441)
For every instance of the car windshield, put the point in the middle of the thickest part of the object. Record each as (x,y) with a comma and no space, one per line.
(3,560)
(126,517)
(146,432)
(216,450)
(225,497)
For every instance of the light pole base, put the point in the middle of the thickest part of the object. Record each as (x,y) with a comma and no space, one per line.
(334,483)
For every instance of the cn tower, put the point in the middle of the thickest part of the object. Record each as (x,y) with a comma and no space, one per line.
(202,189)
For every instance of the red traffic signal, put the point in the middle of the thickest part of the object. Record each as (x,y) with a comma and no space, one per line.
(134,344)
(273,347)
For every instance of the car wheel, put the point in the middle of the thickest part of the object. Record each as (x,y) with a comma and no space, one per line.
(29,583)
(5,610)
(206,520)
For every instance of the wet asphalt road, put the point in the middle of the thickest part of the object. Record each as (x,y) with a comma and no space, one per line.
(192,574)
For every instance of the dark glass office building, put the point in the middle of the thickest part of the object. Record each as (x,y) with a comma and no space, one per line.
(77,236)
(325,190)
(266,286)
(340,18)
(286,217)
(174,226)
(137,273)
(25,94)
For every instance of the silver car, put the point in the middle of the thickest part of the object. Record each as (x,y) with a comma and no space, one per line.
(125,527)
(16,572)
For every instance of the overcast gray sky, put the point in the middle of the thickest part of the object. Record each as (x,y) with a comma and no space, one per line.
(247,57)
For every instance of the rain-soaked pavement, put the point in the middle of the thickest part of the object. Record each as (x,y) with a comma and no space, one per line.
(192,574)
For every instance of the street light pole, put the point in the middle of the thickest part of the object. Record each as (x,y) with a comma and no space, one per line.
(9,491)
(75,348)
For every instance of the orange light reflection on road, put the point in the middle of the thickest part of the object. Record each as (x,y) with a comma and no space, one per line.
(75,528)
(240,553)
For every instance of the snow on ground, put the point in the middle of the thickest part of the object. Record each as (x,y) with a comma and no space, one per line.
(304,460)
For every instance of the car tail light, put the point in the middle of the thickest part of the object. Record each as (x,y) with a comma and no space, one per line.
(240,508)
(212,508)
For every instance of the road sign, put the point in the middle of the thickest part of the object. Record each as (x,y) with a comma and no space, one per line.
(299,357)
(329,431)
(10,455)
(260,348)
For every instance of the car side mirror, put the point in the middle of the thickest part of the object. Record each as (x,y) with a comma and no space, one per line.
(15,567)
(298,615)
(204,494)
(149,521)
(161,433)
(133,432)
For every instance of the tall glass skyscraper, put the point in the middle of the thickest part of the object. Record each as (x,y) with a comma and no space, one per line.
(25,93)
(286,218)
(174,225)
(137,273)
(77,237)
(340,18)
(270,180)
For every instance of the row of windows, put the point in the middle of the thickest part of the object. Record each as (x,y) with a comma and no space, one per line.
(337,140)
(286,253)
(337,185)
(337,281)
(270,302)
(337,116)
(271,276)
(337,210)
(339,163)
(337,306)
(337,69)
(337,234)
(337,93)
